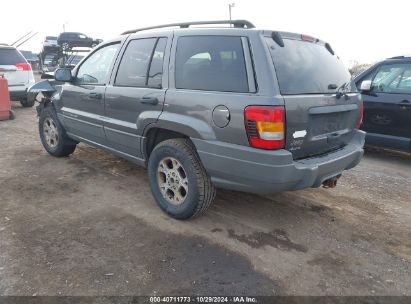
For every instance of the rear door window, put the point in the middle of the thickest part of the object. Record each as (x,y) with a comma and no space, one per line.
(211,63)
(307,68)
(10,57)
(142,63)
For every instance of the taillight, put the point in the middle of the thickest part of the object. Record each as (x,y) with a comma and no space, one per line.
(265,126)
(23,66)
(362,114)
(307,38)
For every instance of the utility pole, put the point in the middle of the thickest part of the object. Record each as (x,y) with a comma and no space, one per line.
(64,26)
(230,6)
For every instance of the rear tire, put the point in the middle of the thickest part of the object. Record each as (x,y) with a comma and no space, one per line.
(25,103)
(178,180)
(52,134)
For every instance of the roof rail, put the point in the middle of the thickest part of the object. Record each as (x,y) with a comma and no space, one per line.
(236,23)
(400,57)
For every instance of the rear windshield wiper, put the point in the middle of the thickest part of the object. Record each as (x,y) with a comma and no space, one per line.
(341,90)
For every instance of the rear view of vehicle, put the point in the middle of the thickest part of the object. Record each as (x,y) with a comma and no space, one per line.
(18,72)
(272,112)
(50,44)
(323,109)
(49,63)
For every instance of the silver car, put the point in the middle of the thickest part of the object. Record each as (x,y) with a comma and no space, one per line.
(18,73)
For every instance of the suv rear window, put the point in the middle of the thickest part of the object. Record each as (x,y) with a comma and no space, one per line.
(10,57)
(307,68)
(211,63)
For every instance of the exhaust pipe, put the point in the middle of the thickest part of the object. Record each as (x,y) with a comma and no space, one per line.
(331,182)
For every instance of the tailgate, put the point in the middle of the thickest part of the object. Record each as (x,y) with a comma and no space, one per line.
(310,78)
(14,76)
(317,124)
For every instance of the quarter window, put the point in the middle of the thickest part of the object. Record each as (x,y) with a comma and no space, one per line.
(142,63)
(211,63)
(96,67)
(156,67)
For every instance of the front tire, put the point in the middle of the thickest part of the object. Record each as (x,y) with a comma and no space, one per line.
(52,134)
(178,180)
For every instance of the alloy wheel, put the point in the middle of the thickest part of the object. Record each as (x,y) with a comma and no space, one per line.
(50,132)
(172,180)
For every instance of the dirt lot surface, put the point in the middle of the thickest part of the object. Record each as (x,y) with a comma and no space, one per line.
(88,225)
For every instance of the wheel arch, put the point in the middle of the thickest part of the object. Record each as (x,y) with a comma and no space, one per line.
(156,135)
(171,125)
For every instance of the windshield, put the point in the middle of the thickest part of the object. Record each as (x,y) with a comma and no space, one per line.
(308,68)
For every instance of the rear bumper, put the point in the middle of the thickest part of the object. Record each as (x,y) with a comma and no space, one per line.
(259,171)
(18,93)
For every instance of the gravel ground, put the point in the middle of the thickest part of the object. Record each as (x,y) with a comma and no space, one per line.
(88,225)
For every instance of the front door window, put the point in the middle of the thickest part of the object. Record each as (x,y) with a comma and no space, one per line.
(95,69)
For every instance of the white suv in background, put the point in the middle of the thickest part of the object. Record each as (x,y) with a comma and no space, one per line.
(18,73)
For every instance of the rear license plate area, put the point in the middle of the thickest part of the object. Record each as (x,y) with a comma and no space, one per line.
(328,123)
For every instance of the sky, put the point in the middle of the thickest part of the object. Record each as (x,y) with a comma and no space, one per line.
(358,30)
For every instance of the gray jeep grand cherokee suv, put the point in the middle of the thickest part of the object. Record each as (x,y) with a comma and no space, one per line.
(204,108)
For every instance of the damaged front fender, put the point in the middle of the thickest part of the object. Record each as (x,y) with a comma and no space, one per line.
(45,87)
(49,91)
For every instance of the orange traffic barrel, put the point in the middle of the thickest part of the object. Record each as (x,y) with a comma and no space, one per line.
(5,103)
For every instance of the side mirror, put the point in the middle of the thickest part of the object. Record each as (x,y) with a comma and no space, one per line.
(366,86)
(63,75)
